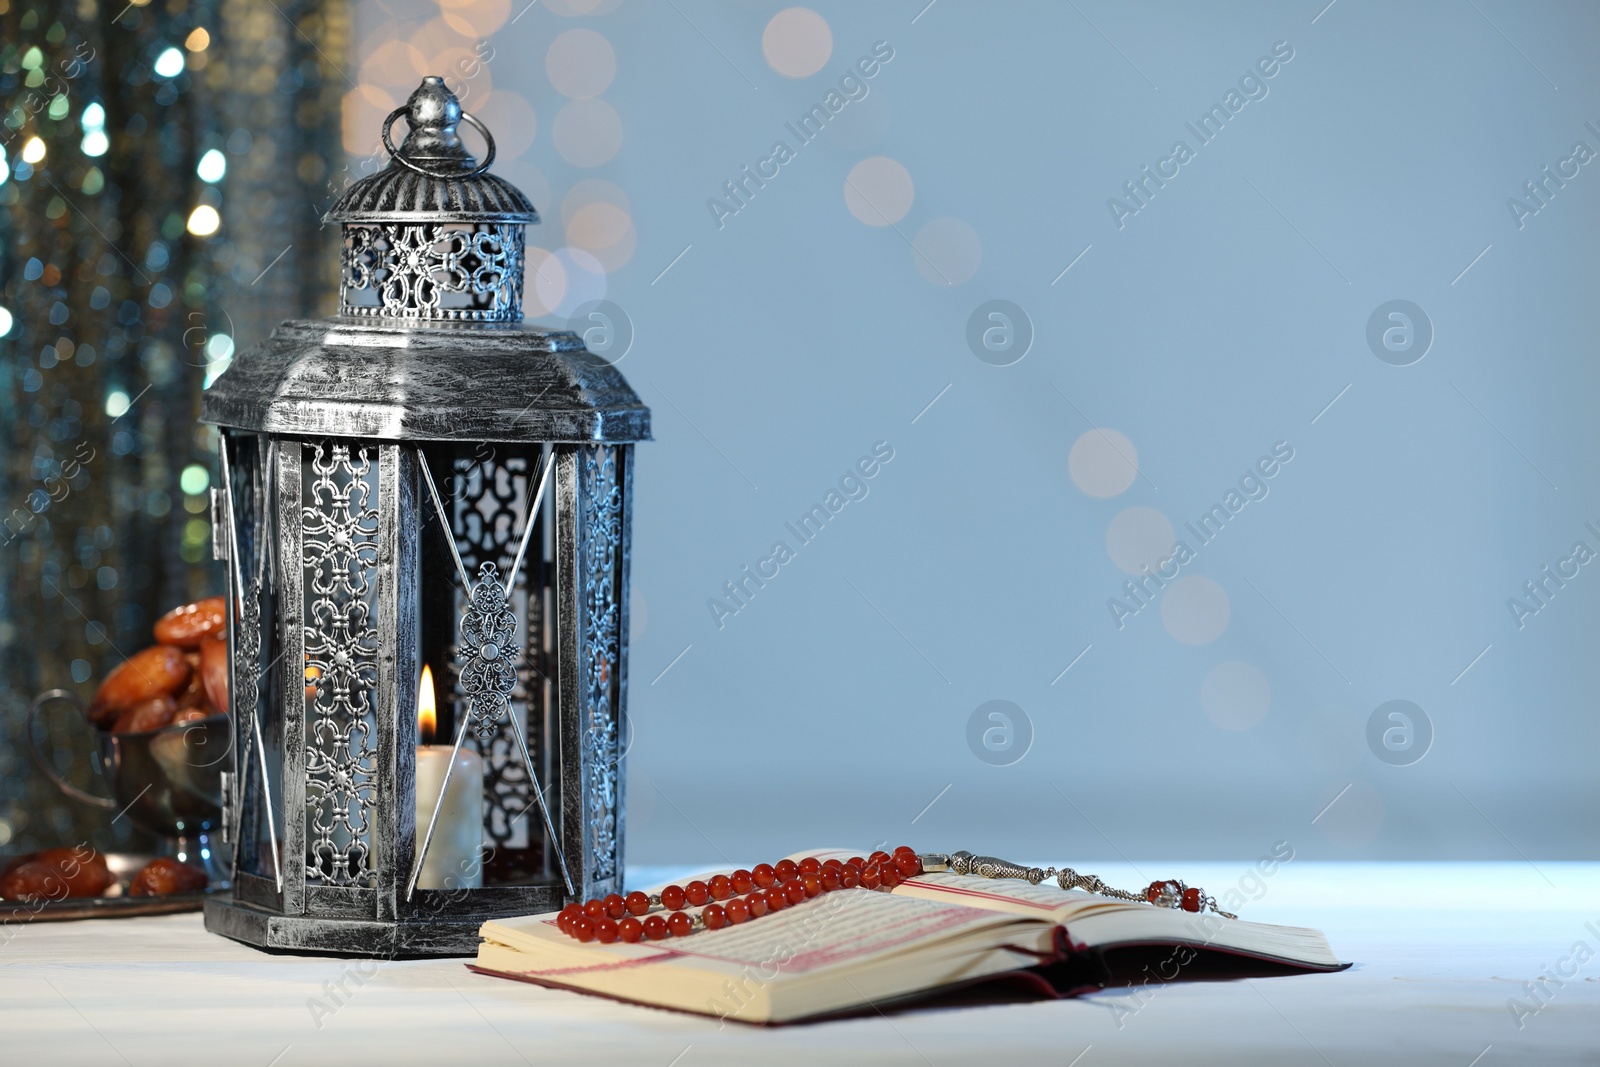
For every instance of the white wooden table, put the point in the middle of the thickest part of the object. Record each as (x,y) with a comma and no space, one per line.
(1439,949)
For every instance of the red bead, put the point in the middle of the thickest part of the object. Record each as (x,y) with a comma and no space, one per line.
(738,911)
(672,898)
(757,903)
(1191,900)
(765,877)
(830,879)
(794,892)
(680,924)
(616,907)
(715,917)
(630,929)
(809,865)
(857,862)
(605,930)
(776,901)
(742,881)
(583,928)
(786,870)
(889,876)
(870,878)
(908,866)
(594,909)
(904,850)
(697,892)
(849,878)
(637,903)
(568,913)
(812,884)
(877,857)
(721,887)
(655,927)
(835,864)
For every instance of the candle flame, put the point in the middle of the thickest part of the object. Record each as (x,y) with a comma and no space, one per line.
(427,707)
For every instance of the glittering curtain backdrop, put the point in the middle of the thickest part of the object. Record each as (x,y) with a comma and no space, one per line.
(163,167)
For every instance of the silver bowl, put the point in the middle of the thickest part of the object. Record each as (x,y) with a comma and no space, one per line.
(166,781)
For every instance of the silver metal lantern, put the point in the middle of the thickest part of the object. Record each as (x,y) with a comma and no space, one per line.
(422,482)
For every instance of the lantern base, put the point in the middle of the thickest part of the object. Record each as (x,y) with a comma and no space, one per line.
(268,930)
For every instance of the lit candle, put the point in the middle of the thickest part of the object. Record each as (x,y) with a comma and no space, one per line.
(455,856)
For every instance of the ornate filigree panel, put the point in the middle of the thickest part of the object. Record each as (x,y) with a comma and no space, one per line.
(340,561)
(600,563)
(433,271)
(487,520)
(484,655)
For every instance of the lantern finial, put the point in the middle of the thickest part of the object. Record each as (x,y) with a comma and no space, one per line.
(432,112)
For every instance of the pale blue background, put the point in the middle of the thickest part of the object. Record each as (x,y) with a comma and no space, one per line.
(1205,330)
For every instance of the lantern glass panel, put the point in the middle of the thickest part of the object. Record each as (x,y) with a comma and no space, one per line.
(256,701)
(487,490)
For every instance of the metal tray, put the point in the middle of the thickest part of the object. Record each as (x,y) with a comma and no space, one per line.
(113,904)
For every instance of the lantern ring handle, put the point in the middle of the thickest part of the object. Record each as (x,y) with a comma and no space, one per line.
(402,159)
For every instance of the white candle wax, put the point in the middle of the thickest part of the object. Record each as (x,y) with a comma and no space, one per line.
(455,856)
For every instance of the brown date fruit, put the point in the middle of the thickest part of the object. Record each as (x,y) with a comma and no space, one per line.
(163,877)
(55,874)
(158,671)
(214,672)
(187,626)
(146,715)
(193,694)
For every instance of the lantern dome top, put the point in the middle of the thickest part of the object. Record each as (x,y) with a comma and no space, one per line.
(432,177)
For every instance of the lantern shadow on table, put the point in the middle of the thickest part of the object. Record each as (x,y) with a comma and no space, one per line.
(422,481)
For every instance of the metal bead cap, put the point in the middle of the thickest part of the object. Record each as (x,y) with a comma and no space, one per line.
(432,112)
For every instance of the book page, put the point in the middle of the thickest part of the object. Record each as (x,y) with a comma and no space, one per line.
(1013,896)
(831,930)
(1092,920)
(1010,895)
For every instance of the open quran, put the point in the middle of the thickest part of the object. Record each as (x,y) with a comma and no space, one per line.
(855,950)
